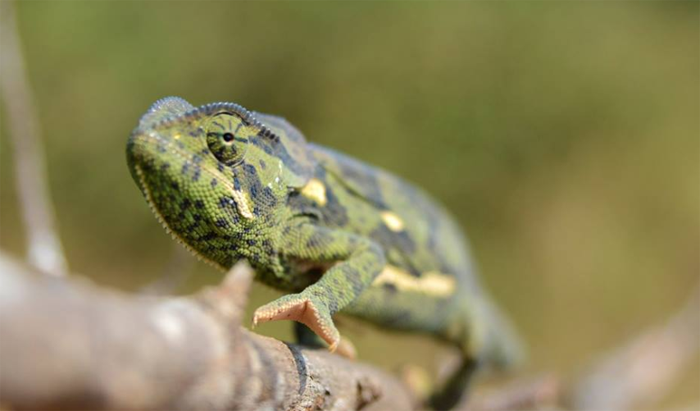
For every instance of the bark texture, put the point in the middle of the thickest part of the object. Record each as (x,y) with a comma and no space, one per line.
(67,344)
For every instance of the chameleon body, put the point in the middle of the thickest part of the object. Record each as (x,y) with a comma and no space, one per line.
(337,234)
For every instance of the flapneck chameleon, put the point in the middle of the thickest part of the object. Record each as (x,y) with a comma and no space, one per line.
(337,234)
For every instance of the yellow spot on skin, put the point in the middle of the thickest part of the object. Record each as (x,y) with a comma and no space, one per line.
(315,190)
(243,204)
(431,283)
(391,220)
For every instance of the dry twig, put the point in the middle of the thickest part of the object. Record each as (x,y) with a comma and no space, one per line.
(643,371)
(44,246)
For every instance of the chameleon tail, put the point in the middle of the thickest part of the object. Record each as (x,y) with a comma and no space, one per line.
(501,347)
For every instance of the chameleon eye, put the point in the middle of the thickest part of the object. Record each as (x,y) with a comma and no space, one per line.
(223,138)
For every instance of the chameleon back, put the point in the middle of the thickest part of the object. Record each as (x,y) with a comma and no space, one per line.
(429,283)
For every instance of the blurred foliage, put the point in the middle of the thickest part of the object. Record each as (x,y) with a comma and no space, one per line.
(563,135)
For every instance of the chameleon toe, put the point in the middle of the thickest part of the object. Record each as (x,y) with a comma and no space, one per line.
(303,310)
(346,349)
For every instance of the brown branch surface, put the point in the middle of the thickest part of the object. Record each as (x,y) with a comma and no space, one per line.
(67,344)
(43,244)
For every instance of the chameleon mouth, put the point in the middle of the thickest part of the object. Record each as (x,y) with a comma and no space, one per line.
(141,181)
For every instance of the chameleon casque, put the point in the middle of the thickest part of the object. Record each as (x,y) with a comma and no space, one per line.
(337,234)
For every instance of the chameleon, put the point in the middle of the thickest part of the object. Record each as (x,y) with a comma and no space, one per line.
(335,234)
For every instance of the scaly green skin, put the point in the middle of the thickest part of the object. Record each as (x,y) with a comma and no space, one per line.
(338,234)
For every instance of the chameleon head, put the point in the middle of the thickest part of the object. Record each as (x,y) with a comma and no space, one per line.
(209,174)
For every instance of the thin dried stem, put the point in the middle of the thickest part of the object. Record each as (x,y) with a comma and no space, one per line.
(644,370)
(44,249)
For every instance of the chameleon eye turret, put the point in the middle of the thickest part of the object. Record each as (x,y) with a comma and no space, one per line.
(225,140)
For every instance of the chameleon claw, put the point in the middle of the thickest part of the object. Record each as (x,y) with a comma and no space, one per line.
(298,308)
(346,349)
(333,346)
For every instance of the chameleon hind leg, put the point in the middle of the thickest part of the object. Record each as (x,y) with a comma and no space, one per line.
(452,391)
(356,263)
(485,339)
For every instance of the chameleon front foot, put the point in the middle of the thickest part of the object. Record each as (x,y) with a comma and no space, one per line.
(297,307)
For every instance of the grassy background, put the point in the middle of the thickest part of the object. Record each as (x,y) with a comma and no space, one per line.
(563,136)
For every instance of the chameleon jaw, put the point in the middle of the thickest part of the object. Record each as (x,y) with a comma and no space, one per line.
(152,205)
(304,311)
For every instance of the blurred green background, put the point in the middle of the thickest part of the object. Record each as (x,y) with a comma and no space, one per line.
(563,136)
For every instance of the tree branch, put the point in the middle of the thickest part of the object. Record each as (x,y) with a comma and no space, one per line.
(69,344)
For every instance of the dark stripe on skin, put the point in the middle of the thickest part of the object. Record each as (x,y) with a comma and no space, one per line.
(333,212)
(247,180)
(358,177)
(268,197)
(387,238)
(390,288)
(315,241)
(280,151)
(249,169)
(433,233)
(302,206)
(403,317)
(263,145)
